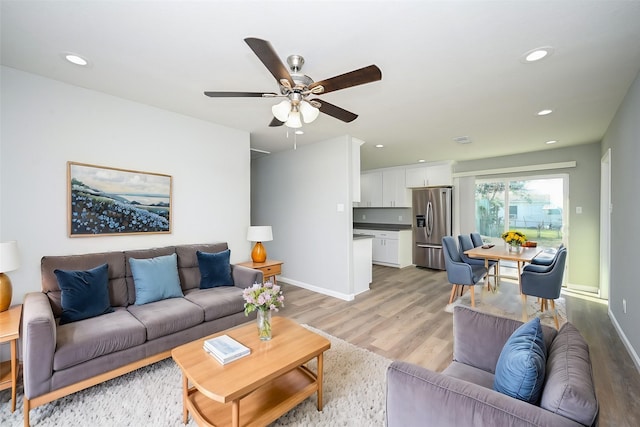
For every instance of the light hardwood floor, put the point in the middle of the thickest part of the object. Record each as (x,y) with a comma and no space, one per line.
(402,317)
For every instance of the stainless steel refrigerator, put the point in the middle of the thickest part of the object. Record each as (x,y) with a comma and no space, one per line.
(432,220)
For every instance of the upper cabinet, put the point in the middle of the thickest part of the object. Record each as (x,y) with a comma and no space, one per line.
(394,189)
(429,176)
(370,190)
(384,189)
(391,187)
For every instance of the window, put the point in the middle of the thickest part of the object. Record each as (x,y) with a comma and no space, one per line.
(534,206)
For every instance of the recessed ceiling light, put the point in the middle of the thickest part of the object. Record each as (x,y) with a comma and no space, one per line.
(76,59)
(553,141)
(544,112)
(536,54)
(379,146)
(421,161)
(299,132)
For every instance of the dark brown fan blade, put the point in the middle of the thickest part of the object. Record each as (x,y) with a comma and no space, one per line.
(335,111)
(353,78)
(269,58)
(238,94)
(275,122)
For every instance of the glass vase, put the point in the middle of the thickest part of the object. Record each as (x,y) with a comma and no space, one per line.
(264,324)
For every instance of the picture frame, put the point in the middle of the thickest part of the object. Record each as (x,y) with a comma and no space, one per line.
(108,201)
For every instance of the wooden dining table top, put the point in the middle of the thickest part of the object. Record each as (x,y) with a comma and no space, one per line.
(502,252)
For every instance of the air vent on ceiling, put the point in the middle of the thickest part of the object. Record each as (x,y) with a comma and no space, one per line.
(462,139)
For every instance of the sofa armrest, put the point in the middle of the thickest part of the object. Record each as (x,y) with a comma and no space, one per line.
(245,277)
(38,344)
(417,396)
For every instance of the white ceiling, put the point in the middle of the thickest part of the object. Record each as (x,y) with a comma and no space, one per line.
(449,68)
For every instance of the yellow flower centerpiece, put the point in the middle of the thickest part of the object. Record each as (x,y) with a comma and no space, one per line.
(514,239)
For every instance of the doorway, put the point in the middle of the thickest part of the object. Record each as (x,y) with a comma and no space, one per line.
(605,224)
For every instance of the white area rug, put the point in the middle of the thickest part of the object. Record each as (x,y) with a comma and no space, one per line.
(507,302)
(354,395)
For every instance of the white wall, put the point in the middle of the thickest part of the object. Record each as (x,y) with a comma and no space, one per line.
(46,123)
(297,193)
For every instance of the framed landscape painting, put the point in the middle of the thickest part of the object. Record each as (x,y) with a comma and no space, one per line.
(106,201)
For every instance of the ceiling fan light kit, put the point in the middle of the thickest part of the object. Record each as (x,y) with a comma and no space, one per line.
(297,87)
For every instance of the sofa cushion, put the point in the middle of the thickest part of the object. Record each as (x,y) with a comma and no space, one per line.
(141,254)
(188,267)
(521,365)
(167,316)
(217,302)
(215,269)
(155,278)
(85,293)
(118,292)
(87,339)
(470,374)
(569,389)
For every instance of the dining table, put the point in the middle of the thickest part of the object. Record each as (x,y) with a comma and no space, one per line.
(521,255)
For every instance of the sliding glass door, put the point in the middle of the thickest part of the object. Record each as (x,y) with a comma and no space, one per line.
(536,206)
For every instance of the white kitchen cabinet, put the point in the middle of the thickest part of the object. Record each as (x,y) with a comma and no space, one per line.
(384,189)
(394,189)
(370,190)
(390,248)
(428,176)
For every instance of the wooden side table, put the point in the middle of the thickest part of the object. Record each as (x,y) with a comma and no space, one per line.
(10,332)
(269,268)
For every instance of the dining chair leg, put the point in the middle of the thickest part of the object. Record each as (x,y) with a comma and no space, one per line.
(454,288)
(461,289)
(473,295)
(525,316)
(555,314)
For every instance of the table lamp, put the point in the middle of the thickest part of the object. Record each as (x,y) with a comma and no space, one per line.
(9,261)
(259,234)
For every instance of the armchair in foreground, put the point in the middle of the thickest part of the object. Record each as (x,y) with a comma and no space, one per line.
(463,394)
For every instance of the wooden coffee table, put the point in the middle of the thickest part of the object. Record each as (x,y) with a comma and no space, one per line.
(257,389)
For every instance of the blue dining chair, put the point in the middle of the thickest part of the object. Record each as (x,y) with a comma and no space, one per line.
(476,238)
(544,282)
(466,243)
(547,256)
(459,273)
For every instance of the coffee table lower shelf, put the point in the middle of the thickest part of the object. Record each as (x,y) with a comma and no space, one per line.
(260,407)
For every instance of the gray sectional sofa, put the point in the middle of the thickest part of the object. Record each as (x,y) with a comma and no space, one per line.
(61,359)
(463,394)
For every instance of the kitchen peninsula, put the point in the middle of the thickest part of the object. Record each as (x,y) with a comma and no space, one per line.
(391,245)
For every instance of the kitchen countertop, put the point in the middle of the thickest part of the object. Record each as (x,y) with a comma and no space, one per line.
(363,236)
(385,227)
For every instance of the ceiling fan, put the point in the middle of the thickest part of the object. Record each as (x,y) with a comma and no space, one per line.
(297,88)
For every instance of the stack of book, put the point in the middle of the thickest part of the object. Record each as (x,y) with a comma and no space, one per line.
(225,349)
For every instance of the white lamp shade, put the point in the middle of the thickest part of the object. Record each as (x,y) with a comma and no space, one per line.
(294,120)
(9,256)
(281,110)
(260,233)
(308,111)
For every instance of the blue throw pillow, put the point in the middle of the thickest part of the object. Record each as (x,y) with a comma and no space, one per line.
(215,269)
(156,278)
(85,294)
(521,366)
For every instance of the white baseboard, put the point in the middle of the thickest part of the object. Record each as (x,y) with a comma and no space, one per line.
(342,296)
(625,341)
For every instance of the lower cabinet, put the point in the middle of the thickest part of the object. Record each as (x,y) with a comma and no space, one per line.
(391,248)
